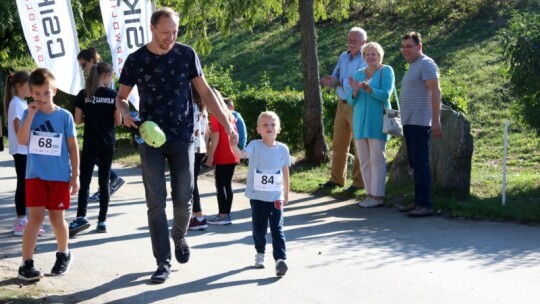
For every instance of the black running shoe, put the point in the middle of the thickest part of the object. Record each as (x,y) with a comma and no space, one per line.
(329,185)
(182,251)
(61,266)
(162,273)
(28,273)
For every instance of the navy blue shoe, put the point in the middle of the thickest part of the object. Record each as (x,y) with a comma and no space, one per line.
(79,224)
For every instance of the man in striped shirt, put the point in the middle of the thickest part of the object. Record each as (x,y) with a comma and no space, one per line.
(420,102)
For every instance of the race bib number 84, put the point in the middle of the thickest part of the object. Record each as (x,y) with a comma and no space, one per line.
(268,180)
(45,143)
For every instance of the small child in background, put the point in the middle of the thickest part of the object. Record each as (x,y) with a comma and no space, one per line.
(224,160)
(240,124)
(16,90)
(267,188)
(52,171)
(200,119)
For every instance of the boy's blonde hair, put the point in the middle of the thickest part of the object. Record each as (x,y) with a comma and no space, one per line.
(270,114)
(40,77)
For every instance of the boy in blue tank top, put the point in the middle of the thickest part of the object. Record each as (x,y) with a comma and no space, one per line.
(268,188)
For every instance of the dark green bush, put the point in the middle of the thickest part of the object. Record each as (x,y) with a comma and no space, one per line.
(520,47)
(289,106)
(330,101)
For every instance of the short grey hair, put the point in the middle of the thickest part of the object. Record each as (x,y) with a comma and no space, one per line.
(360,31)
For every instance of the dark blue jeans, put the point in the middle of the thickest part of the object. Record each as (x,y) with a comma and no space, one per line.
(263,213)
(180,158)
(417,139)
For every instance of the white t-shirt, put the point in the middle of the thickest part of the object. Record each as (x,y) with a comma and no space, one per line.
(265,175)
(16,110)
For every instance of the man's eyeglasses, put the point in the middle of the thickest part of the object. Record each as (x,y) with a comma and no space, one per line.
(408,47)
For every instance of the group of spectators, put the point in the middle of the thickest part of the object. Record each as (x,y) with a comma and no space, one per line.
(364,86)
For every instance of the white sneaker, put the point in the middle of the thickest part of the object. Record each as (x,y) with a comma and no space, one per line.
(370,202)
(259,260)
(363,201)
(281,268)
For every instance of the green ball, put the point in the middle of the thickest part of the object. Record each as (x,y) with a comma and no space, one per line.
(152,134)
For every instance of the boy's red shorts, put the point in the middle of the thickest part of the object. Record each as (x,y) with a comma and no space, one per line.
(53,195)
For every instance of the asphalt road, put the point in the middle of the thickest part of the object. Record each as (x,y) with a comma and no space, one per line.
(337,253)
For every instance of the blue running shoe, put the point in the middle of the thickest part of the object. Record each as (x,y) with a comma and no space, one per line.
(79,224)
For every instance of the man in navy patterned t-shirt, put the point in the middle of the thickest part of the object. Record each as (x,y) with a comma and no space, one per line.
(164,72)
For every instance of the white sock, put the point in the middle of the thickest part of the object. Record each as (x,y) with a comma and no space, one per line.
(200,219)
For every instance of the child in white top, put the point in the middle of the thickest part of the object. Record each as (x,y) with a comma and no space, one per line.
(268,188)
(16,90)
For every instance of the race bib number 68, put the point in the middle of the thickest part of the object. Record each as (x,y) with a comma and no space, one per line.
(45,143)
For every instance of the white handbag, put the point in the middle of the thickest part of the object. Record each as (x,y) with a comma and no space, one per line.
(392,119)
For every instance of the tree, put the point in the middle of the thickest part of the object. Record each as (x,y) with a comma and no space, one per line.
(11,37)
(314,144)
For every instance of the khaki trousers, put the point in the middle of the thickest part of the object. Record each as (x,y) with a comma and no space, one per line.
(341,142)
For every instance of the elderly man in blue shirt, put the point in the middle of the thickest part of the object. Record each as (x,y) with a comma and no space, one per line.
(348,63)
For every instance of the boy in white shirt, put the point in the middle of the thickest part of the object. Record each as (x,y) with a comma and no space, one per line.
(268,188)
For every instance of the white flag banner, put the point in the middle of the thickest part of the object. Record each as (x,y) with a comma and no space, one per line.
(51,36)
(127,24)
